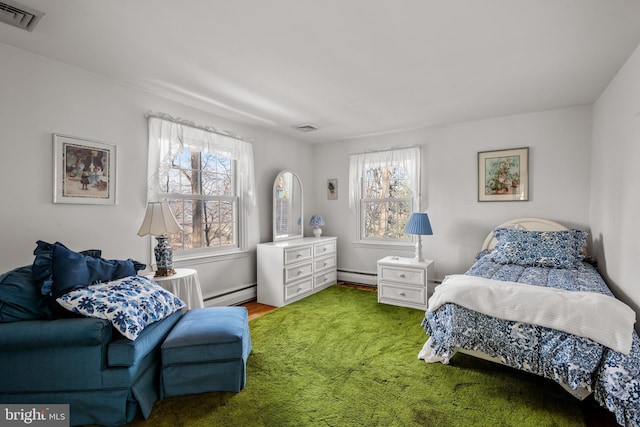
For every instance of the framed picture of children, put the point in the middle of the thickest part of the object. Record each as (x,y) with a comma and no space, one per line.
(503,175)
(84,171)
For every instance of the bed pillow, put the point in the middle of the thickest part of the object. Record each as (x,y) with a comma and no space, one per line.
(130,304)
(19,296)
(556,249)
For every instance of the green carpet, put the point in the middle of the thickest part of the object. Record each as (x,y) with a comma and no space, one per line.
(338,358)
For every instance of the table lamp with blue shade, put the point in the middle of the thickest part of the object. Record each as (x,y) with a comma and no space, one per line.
(418,224)
(159,222)
(317,221)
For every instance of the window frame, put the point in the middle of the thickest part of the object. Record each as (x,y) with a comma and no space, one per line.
(168,136)
(234,199)
(359,204)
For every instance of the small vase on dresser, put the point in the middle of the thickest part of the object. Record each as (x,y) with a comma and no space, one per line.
(290,270)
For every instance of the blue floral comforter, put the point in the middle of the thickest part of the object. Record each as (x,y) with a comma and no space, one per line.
(567,359)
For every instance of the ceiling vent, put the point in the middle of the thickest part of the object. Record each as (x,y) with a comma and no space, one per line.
(13,13)
(305,128)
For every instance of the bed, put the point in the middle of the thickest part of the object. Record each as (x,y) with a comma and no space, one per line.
(534,301)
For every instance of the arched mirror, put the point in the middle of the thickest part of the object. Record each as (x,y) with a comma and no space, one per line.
(287,207)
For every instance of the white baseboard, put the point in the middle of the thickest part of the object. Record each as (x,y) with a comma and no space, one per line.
(354,277)
(233,298)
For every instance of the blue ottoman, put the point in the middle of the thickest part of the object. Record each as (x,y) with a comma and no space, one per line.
(206,351)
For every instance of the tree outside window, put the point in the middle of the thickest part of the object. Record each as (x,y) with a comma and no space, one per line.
(200,188)
(386,204)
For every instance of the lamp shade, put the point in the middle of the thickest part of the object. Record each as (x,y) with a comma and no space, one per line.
(316,221)
(159,220)
(418,224)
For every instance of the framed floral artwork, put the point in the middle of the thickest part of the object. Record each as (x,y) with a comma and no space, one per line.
(503,175)
(332,189)
(84,171)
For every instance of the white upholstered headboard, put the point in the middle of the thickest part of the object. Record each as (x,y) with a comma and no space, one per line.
(531,224)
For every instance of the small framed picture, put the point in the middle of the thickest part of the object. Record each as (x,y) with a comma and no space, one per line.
(503,175)
(332,189)
(84,171)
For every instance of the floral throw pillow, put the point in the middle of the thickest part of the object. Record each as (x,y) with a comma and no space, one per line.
(130,304)
(555,249)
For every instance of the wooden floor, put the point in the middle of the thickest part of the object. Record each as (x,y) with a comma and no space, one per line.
(594,414)
(256,309)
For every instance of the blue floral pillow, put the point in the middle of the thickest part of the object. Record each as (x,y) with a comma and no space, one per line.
(130,304)
(556,249)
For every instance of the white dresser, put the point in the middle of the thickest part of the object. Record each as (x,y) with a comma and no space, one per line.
(404,281)
(290,270)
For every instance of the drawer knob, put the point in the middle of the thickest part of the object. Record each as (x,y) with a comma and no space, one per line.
(299,272)
(298,255)
(402,294)
(326,263)
(403,275)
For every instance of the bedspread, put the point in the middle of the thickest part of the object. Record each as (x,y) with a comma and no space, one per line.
(601,318)
(565,358)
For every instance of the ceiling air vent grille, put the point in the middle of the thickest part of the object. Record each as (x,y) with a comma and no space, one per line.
(18,15)
(305,128)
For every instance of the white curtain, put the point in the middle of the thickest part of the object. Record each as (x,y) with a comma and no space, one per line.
(407,158)
(168,136)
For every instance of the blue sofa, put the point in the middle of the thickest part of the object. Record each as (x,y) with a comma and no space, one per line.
(106,378)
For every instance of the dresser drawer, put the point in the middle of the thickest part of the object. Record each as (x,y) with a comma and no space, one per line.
(325,263)
(298,288)
(298,254)
(409,276)
(325,279)
(412,295)
(324,248)
(298,271)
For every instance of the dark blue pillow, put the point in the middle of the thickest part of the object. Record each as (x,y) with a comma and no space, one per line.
(19,296)
(60,270)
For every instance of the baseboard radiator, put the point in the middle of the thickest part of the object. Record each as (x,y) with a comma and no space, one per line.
(238,297)
(360,277)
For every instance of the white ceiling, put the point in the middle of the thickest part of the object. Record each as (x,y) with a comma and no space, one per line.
(350,67)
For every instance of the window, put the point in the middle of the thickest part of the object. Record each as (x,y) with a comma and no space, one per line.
(384,192)
(201,191)
(207,179)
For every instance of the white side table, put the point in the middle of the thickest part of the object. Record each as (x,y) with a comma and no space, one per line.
(404,281)
(184,284)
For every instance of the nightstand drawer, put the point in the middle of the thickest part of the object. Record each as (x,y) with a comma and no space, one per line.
(325,248)
(298,288)
(405,275)
(297,271)
(298,254)
(324,263)
(404,294)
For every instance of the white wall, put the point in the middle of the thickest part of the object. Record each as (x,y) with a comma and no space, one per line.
(41,97)
(615,197)
(559,144)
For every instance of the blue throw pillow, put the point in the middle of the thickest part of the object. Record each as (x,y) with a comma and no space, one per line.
(555,249)
(19,296)
(60,270)
(130,303)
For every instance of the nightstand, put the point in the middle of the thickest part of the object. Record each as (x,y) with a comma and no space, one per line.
(404,281)
(184,284)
